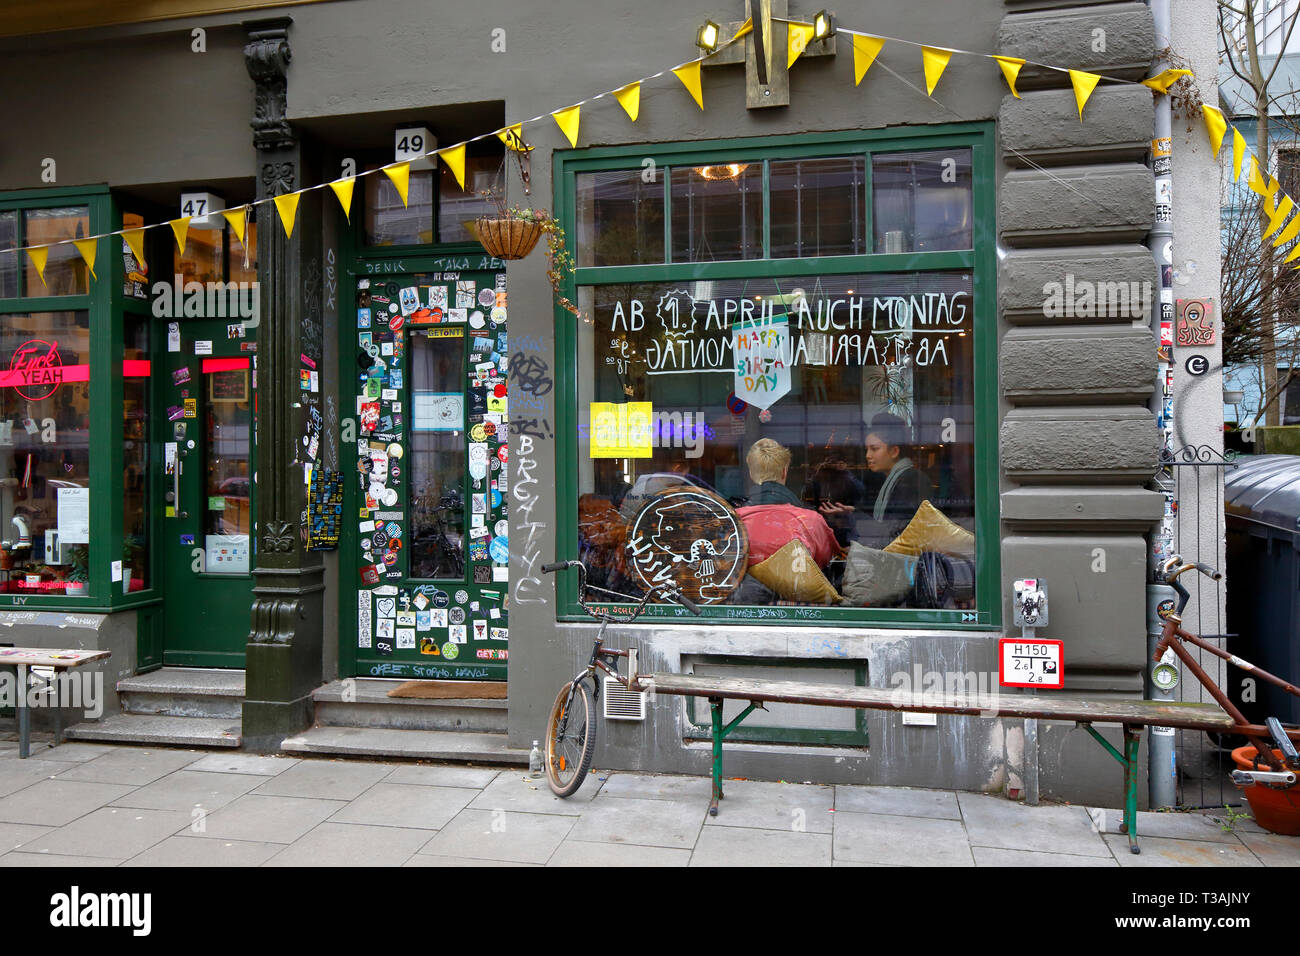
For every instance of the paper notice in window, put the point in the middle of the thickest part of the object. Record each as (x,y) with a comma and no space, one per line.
(74,515)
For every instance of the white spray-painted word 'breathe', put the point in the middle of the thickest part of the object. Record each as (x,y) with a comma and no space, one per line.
(76,909)
(207,300)
(696,334)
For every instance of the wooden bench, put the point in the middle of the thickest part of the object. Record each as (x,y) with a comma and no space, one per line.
(1132,715)
(25,658)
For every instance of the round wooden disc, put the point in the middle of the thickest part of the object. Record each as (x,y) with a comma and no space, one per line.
(691,538)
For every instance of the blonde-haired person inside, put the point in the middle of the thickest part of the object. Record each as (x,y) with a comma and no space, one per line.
(769,464)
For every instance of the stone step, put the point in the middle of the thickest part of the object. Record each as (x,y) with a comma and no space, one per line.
(410,744)
(185,692)
(364,702)
(161,729)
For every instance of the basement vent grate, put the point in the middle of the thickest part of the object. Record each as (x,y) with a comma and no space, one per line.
(621,703)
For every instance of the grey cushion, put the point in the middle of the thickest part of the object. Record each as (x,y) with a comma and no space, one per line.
(875,578)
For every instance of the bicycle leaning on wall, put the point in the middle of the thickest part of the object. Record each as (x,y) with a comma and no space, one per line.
(571,727)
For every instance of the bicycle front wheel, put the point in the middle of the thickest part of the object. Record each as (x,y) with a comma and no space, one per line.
(570,739)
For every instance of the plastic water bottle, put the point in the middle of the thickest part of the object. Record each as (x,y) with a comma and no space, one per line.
(535,760)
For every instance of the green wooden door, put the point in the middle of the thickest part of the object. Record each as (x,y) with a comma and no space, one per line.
(207,399)
(427,554)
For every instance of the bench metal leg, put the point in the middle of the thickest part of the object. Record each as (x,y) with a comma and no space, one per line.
(1129,761)
(24,715)
(715,705)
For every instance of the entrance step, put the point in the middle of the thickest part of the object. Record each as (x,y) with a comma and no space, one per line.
(198,692)
(411,744)
(364,702)
(161,729)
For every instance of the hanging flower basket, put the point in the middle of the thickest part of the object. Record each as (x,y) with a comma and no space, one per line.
(509,237)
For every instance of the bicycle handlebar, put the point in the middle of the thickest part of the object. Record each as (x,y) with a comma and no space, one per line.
(1175,566)
(556,566)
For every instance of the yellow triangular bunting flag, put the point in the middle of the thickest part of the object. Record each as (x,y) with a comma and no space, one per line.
(38,256)
(401,177)
(1238,153)
(181,229)
(1289,233)
(454,157)
(1255,178)
(690,77)
(745,28)
(1011,70)
(1162,81)
(797,37)
(513,137)
(87,249)
(1278,216)
(936,61)
(865,51)
(1294,252)
(1215,125)
(238,219)
(287,206)
(1271,189)
(629,97)
(135,241)
(1084,84)
(567,120)
(343,190)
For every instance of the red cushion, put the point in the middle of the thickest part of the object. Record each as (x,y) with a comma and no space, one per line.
(772,527)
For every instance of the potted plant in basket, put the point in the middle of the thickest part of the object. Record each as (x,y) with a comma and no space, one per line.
(514,232)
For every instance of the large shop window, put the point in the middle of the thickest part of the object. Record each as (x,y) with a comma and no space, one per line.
(791,417)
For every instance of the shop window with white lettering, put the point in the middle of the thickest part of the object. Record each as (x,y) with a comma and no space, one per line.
(45,453)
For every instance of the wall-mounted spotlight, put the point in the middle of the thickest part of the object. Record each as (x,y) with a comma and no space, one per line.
(823,25)
(707,37)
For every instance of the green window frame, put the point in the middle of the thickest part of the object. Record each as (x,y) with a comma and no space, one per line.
(106,307)
(980,260)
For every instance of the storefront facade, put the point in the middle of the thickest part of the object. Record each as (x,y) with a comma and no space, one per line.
(410,428)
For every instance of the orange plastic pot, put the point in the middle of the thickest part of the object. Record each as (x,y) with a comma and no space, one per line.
(1277,811)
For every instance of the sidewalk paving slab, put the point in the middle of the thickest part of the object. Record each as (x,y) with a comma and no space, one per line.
(574,853)
(406,805)
(236,762)
(491,835)
(131,766)
(1164,851)
(118,833)
(57,802)
(424,859)
(670,823)
(265,819)
(904,841)
(71,751)
(345,844)
(775,806)
(192,850)
(655,786)
(438,776)
(898,801)
(326,779)
(188,789)
(511,790)
(994,856)
(17,774)
(1272,849)
(15,835)
(18,858)
(744,846)
(1178,826)
(998,822)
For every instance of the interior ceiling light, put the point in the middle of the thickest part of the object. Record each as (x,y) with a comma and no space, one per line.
(727,171)
(707,36)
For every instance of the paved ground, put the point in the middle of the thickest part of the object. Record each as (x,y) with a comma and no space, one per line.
(85,804)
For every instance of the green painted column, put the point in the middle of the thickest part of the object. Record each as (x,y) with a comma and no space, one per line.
(284,644)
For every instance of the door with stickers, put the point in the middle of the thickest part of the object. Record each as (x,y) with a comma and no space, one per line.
(207,487)
(430,547)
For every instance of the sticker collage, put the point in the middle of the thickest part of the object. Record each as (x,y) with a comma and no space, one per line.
(433,596)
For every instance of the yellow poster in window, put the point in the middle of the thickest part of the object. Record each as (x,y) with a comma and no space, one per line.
(622,430)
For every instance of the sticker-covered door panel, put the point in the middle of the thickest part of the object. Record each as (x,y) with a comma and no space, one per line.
(431,536)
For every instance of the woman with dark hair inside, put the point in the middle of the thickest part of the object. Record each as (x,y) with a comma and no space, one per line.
(902,490)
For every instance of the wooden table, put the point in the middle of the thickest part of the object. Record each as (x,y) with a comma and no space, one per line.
(25,658)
